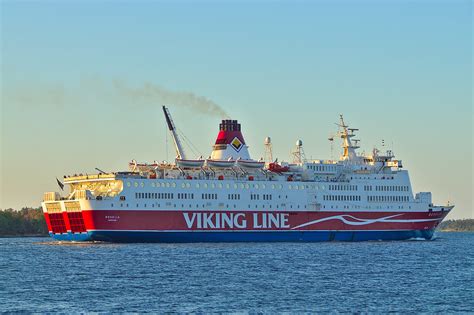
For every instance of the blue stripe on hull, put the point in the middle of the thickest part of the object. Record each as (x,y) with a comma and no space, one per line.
(76,237)
(292,236)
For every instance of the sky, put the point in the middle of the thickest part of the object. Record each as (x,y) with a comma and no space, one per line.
(82,84)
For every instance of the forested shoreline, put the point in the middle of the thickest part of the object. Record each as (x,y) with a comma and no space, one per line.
(24,222)
(30,222)
(460,225)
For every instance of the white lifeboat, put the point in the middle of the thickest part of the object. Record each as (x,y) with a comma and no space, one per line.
(250,164)
(220,163)
(183,163)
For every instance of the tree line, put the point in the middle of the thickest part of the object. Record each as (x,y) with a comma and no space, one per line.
(25,222)
(462,225)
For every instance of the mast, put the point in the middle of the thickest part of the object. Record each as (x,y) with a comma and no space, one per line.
(177,143)
(299,156)
(346,134)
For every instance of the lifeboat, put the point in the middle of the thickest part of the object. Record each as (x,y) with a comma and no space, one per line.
(220,163)
(277,168)
(189,163)
(251,164)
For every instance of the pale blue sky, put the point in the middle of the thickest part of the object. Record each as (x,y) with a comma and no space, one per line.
(398,70)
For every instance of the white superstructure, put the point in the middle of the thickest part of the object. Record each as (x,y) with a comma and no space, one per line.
(353,183)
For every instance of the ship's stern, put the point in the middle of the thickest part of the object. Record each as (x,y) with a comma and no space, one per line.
(64,218)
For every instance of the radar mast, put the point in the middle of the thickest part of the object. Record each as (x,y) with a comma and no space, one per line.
(346,134)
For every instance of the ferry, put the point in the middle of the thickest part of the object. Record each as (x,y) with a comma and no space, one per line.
(230,197)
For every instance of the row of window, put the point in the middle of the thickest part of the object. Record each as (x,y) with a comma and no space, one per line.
(209,196)
(264,197)
(154,195)
(343,187)
(388,198)
(391,188)
(185,196)
(233,196)
(275,186)
(203,196)
(220,185)
(322,168)
(341,198)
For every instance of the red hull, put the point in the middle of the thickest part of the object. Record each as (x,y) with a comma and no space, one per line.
(149,220)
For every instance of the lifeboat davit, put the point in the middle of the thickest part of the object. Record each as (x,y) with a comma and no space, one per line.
(250,164)
(189,163)
(142,167)
(220,163)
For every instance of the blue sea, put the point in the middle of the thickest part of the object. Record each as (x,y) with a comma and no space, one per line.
(42,275)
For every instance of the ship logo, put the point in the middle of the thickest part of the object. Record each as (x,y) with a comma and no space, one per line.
(236,144)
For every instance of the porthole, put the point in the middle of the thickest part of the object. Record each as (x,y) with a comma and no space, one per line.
(142,184)
(188,185)
(220,185)
(129,184)
(273,186)
(235,186)
(263,186)
(242,186)
(183,185)
(213,186)
(227,186)
(152,184)
(173,185)
(205,185)
(256,186)
(135,184)
(197,185)
(289,187)
(168,185)
(247,186)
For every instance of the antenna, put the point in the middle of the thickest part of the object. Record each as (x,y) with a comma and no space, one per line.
(331,139)
(166,145)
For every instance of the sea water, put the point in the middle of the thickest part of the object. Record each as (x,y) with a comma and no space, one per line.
(42,275)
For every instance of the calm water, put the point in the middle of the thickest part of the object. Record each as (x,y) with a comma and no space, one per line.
(41,275)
